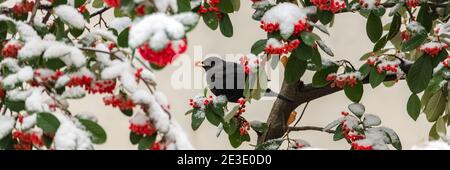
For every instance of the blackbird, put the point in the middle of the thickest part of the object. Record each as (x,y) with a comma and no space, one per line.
(228,79)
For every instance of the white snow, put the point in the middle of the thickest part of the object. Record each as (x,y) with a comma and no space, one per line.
(129,81)
(415,27)
(26,32)
(444,32)
(6,125)
(286,15)
(28,122)
(70,16)
(188,19)
(25,74)
(272,42)
(56,50)
(161,98)
(74,93)
(120,23)
(115,70)
(357,109)
(148,75)
(158,28)
(105,34)
(164,5)
(433,145)
(10,63)
(62,81)
(371,120)
(139,119)
(32,48)
(177,135)
(35,103)
(69,136)
(18,95)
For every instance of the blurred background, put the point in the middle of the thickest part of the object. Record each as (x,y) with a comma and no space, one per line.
(347,39)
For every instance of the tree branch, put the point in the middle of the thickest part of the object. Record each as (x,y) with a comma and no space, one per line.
(101,11)
(300,93)
(305,128)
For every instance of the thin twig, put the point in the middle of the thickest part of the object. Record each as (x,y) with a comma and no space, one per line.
(34,11)
(305,128)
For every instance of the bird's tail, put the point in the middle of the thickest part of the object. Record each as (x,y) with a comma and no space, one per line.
(269,92)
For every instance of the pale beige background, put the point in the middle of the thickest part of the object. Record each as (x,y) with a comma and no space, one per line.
(348,40)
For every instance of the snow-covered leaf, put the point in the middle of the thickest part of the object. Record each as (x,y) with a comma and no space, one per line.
(357,109)
(371,120)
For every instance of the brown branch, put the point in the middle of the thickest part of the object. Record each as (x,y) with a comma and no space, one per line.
(34,11)
(101,11)
(300,93)
(305,128)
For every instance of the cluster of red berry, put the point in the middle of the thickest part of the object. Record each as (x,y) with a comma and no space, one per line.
(92,87)
(145,129)
(433,48)
(412,3)
(241,109)
(405,35)
(245,63)
(25,140)
(11,49)
(329,5)
(284,49)
(119,101)
(300,26)
(364,4)
(270,27)
(245,127)
(164,56)
(158,146)
(342,80)
(140,10)
(445,62)
(112,3)
(23,7)
(213,7)
(353,136)
(382,65)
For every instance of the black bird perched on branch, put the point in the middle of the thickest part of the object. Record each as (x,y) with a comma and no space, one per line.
(228,79)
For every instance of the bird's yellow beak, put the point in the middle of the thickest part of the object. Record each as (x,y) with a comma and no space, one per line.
(198,64)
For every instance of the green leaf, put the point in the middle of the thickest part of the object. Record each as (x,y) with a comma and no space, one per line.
(374,27)
(135,138)
(436,106)
(76,32)
(184,5)
(354,93)
(226,6)
(258,46)
(365,70)
(122,39)
(325,48)
(259,127)
(127,112)
(97,3)
(339,133)
(413,106)
(47,122)
(54,63)
(272,144)
(316,59)
(302,52)
(211,20)
(61,2)
(295,68)
(231,114)
(441,127)
(212,116)
(232,126)
(15,106)
(325,17)
(433,135)
(414,42)
(395,26)
(420,74)
(98,134)
(424,17)
(376,78)
(226,27)
(309,38)
(236,4)
(236,139)
(381,43)
(198,117)
(146,142)
(79,3)
(7,143)
(369,54)
(319,78)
